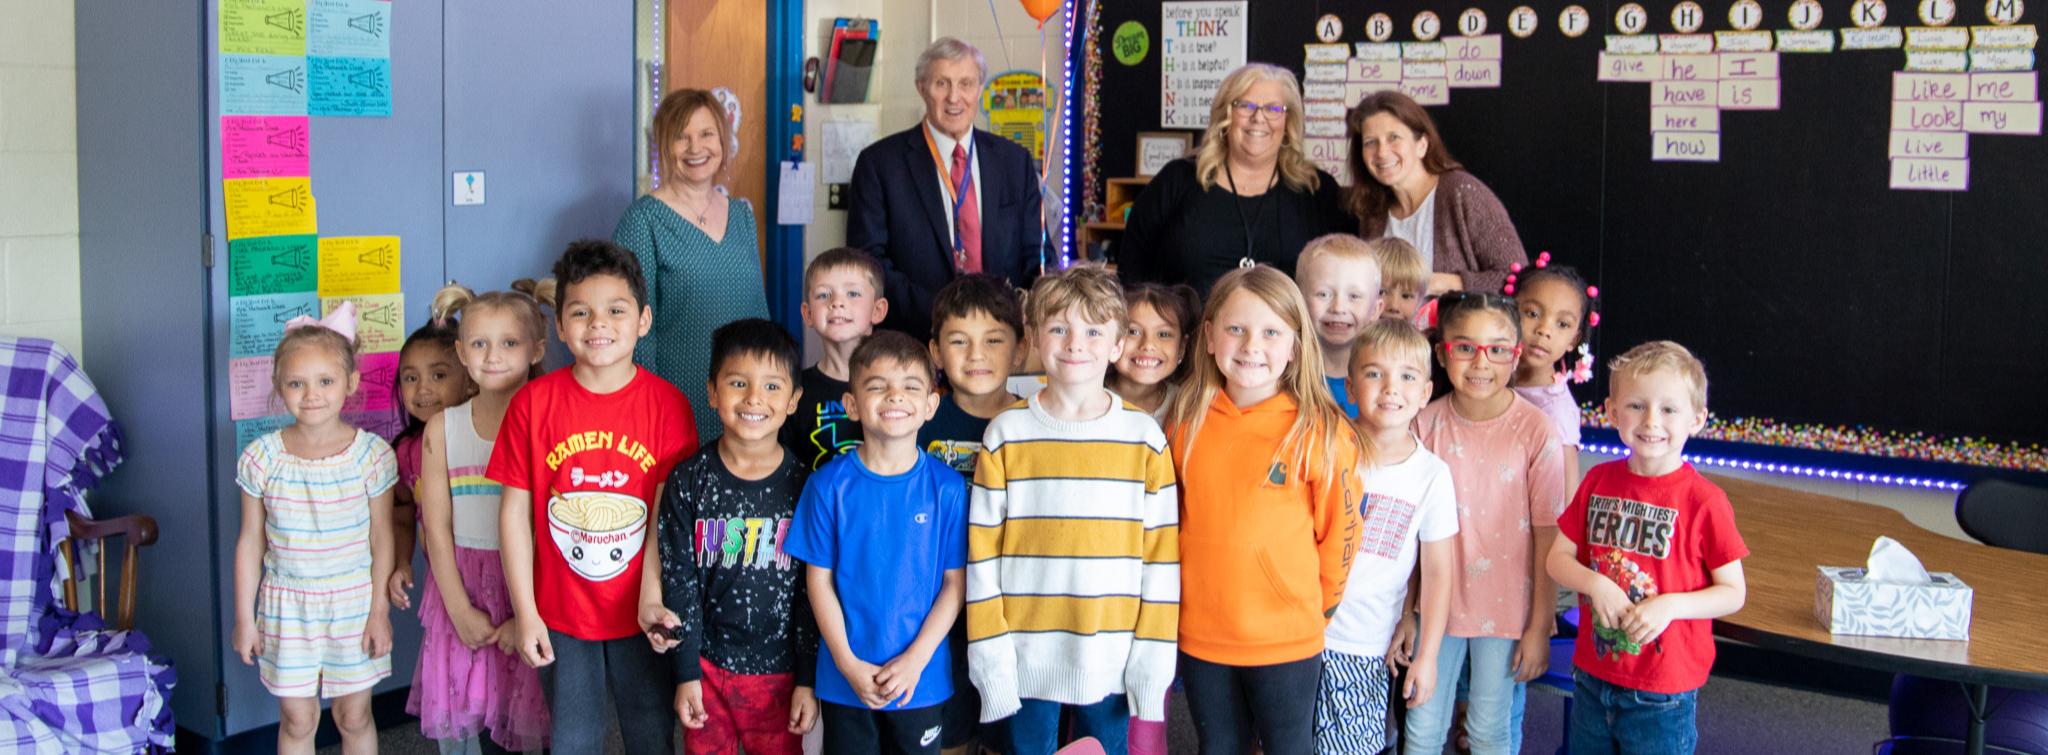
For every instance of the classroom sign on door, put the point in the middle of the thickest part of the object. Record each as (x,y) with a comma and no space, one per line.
(1200,43)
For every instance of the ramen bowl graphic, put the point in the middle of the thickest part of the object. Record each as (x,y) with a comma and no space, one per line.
(598,533)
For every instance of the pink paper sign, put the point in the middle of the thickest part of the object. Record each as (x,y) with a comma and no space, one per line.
(376,391)
(249,391)
(264,146)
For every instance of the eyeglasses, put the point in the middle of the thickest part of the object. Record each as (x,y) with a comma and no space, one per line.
(1465,351)
(1251,110)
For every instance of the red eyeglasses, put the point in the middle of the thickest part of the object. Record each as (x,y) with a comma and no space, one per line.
(1465,351)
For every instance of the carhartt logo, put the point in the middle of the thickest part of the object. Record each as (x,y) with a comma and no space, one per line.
(930,735)
(1278,473)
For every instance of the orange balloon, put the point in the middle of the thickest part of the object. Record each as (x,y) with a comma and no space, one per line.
(1041,9)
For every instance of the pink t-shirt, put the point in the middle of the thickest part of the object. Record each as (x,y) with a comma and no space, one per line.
(1508,472)
(1556,401)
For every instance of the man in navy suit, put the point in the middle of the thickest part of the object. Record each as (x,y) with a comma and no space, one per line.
(944,198)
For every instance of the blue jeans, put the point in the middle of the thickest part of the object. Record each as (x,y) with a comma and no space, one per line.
(1612,719)
(1035,729)
(1489,709)
(1514,719)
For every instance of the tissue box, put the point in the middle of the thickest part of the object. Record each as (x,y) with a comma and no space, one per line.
(1849,603)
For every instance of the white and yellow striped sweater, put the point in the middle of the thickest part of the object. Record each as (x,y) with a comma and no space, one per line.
(1073,561)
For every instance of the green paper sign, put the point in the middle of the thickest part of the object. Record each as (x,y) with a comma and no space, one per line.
(1130,43)
(262,265)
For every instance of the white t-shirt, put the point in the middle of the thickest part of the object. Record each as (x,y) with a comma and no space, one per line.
(1405,503)
(1419,230)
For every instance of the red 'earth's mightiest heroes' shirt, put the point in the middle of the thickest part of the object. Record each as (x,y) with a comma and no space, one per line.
(592,463)
(1652,536)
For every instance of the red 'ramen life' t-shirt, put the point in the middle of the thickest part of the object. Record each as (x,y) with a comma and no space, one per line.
(592,463)
(1653,536)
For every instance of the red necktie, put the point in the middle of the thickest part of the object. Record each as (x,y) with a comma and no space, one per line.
(967,222)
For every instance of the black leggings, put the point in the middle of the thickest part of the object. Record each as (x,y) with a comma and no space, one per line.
(1235,707)
(642,686)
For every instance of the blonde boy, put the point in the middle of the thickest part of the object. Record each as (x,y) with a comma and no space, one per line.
(1073,582)
(1410,513)
(1341,282)
(1652,549)
(842,304)
(1404,277)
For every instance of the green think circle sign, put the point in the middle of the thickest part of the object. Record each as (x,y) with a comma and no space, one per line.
(1130,43)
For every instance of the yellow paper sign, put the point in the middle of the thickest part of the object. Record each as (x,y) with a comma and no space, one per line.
(358,265)
(380,320)
(270,207)
(263,27)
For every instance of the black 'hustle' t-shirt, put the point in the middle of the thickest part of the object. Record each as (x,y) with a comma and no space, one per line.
(723,572)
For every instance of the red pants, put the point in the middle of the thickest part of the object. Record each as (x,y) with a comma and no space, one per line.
(750,712)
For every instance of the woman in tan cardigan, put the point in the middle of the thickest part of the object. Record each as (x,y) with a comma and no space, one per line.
(1406,185)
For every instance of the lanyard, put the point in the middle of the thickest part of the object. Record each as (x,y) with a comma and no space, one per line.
(956,191)
(1257,210)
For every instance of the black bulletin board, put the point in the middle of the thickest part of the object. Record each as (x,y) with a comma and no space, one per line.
(1812,291)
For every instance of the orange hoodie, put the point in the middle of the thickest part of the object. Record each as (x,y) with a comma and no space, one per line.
(1265,548)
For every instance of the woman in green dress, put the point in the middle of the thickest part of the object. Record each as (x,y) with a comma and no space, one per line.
(697,247)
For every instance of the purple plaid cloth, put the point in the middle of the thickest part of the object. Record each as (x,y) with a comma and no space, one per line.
(68,685)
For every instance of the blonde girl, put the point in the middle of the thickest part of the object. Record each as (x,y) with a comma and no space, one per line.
(468,679)
(316,543)
(1509,472)
(1269,473)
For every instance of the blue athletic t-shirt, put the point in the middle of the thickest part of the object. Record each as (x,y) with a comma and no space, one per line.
(1343,399)
(888,541)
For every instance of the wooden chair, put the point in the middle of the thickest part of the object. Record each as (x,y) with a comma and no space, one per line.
(135,531)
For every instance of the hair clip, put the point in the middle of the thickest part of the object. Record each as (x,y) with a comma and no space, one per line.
(1425,317)
(1582,371)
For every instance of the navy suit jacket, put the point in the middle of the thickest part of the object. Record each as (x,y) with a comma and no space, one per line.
(898,214)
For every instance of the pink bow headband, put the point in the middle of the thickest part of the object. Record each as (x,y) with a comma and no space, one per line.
(342,320)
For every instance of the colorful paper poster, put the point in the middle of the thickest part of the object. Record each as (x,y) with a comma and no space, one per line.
(248,430)
(269,207)
(349,86)
(273,265)
(264,146)
(262,85)
(377,392)
(255,323)
(262,27)
(1201,42)
(249,392)
(1015,103)
(348,28)
(380,320)
(359,265)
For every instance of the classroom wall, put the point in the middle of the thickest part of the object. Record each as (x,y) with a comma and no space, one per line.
(39,173)
(1008,40)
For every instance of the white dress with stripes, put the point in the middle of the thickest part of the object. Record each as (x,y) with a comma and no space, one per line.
(314,603)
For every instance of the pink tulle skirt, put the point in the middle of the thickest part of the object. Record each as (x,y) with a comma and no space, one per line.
(458,692)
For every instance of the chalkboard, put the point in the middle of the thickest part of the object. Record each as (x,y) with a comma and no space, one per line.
(1813,292)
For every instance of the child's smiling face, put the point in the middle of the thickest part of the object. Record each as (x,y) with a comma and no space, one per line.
(601,320)
(843,304)
(1472,352)
(430,379)
(891,399)
(1343,294)
(1551,312)
(978,352)
(753,394)
(1252,345)
(1152,347)
(497,348)
(313,383)
(1074,350)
